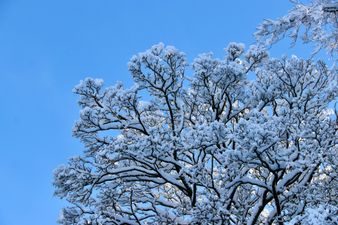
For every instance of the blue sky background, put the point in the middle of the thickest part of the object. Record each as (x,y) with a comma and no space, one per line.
(46,47)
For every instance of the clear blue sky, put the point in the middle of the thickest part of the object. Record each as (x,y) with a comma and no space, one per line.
(46,47)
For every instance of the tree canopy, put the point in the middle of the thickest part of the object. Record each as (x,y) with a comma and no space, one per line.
(213,147)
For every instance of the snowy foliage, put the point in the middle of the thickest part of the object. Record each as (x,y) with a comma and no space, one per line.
(212,148)
(323,215)
(316,22)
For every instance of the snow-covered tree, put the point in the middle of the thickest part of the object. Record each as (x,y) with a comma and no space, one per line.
(215,146)
(212,148)
(316,22)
